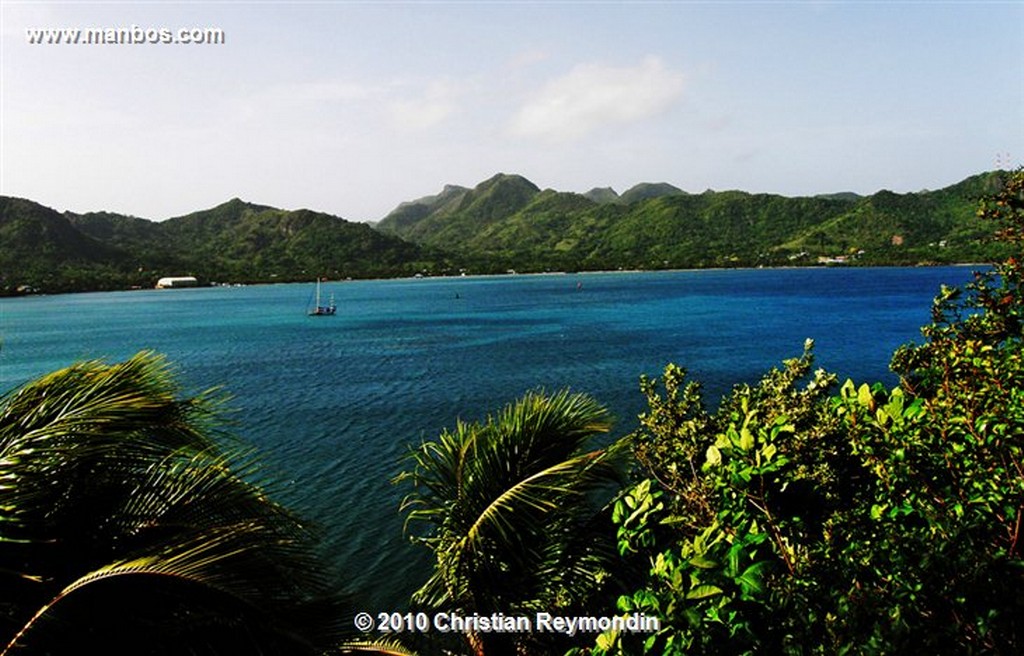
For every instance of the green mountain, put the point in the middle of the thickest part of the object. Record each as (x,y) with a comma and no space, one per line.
(602,195)
(647,190)
(139,239)
(505,222)
(412,212)
(841,195)
(41,249)
(928,226)
(457,211)
(636,193)
(241,241)
(659,226)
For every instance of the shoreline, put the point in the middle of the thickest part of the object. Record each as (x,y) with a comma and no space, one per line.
(588,272)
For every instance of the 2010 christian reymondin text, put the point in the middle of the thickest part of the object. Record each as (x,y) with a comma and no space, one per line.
(454,622)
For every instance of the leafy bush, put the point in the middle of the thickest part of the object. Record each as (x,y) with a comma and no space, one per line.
(796,520)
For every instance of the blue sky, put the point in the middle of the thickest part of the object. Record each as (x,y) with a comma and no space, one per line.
(353,107)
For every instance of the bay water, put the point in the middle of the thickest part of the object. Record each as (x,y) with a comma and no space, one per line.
(333,403)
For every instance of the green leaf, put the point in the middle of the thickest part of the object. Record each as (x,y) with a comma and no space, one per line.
(714,456)
(864,397)
(703,562)
(703,592)
(607,640)
(752,578)
(746,439)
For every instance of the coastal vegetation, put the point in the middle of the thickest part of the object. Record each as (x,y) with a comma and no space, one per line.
(504,223)
(514,509)
(131,522)
(796,520)
(801,515)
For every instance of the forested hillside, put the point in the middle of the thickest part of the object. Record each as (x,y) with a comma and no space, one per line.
(659,226)
(505,222)
(235,242)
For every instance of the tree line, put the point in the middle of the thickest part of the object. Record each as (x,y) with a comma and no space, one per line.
(503,223)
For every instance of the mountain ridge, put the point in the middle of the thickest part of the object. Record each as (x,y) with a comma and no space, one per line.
(656,225)
(504,222)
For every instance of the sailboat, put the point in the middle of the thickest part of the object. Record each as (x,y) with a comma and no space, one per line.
(322,310)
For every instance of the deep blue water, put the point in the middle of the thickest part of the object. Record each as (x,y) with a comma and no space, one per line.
(333,402)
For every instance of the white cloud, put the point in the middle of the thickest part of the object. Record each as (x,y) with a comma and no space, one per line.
(591,97)
(328,91)
(426,110)
(527,58)
(290,106)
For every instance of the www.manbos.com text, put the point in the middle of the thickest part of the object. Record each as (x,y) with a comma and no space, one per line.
(131,35)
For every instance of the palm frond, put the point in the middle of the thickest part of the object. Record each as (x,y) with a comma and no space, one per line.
(516,512)
(505,499)
(113,487)
(380,647)
(89,398)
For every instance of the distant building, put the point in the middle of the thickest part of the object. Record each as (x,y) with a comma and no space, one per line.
(176,281)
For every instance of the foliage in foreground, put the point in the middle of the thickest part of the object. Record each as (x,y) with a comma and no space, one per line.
(513,510)
(127,527)
(794,520)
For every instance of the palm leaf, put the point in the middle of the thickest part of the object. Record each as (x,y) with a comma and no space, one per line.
(506,498)
(380,647)
(229,560)
(113,487)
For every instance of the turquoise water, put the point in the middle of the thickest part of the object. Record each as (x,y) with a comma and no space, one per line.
(333,402)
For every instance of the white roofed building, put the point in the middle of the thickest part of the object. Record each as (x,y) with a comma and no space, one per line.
(176,281)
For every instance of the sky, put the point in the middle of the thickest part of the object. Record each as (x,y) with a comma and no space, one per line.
(351,108)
